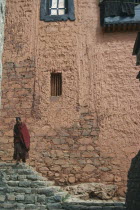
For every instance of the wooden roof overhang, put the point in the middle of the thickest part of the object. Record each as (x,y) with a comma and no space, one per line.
(126,23)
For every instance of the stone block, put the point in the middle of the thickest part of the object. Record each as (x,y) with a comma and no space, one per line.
(32,177)
(85,141)
(11,197)
(89,168)
(41,198)
(20,197)
(9,206)
(4,140)
(117,178)
(48,160)
(89,154)
(54,206)
(90,148)
(82,148)
(1,153)
(72,179)
(2,198)
(64,133)
(60,162)
(2,189)
(59,153)
(13,183)
(9,133)
(48,191)
(58,141)
(86,132)
(96,162)
(55,168)
(22,190)
(104,169)
(13,177)
(60,196)
(24,172)
(24,184)
(21,177)
(20,206)
(30,199)
(30,206)
(37,184)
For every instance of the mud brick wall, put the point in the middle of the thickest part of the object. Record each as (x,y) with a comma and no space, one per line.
(91,132)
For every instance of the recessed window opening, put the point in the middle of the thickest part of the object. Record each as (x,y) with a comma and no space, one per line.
(56,84)
(57,10)
(57,7)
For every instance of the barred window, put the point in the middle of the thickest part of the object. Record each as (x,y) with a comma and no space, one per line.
(57,10)
(56,84)
(57,7)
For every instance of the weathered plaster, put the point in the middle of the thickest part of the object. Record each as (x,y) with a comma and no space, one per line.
(2,20)
(91,132)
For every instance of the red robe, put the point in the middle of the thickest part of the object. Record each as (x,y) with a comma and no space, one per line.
(24,135)
(21,142)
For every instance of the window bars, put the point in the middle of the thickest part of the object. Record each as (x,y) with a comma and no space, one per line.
(57,7)
(56,84)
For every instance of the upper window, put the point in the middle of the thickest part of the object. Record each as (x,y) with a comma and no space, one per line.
(57,10)
(57,7)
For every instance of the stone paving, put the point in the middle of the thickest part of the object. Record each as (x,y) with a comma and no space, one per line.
(23,188)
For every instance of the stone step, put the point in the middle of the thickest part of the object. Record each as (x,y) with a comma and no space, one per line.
(23,188)
(15,177)
(91,207)
(17,171)
(48,191)
(20,206)
(42,199)
(54,206)
(31,177)
(12,172)
(73,203)
(27,183)
(80,207)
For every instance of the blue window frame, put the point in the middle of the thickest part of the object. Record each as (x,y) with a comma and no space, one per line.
(57,10)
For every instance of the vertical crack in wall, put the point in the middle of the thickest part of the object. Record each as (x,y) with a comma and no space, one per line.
(2,20)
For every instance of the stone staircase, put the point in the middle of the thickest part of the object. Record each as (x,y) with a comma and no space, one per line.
(23,188)
(94,206)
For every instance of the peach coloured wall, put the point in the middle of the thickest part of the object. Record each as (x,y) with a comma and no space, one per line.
(91,132)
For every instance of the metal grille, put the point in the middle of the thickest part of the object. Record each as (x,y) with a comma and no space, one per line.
(56,84)
(57,7)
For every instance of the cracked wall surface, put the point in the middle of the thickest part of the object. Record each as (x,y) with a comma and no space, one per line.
(2,20)
(91,132)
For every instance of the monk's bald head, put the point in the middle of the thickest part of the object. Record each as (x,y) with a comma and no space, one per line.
(18,120)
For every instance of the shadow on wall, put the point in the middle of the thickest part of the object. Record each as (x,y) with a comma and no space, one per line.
(133,185)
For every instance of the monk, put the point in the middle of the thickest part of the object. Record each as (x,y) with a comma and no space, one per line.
(21,141)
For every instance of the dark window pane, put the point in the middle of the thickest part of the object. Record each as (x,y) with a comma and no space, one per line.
(57,10)
(56,84)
